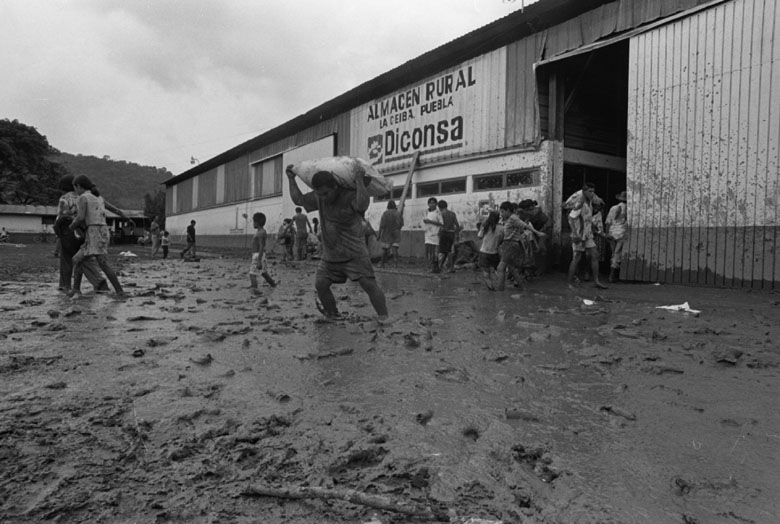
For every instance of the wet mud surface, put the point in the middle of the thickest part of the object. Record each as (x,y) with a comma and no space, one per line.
(542,406)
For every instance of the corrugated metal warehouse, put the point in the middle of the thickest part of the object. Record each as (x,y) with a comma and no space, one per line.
(670,100)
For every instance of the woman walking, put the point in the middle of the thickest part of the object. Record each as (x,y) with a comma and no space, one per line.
(390,233)
(91,213)
(69,242)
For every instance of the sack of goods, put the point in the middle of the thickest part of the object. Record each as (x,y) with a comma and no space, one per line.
(346,169)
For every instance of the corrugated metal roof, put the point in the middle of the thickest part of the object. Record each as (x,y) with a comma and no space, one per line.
(534,18)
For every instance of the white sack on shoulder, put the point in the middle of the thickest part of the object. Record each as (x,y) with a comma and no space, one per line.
(345,169)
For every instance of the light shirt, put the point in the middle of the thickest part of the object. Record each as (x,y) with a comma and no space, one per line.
(491,239)
(432,230)
(616,220)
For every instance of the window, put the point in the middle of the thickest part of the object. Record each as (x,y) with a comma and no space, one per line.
(507,179)
(267,177)
(395,194)
(445,187)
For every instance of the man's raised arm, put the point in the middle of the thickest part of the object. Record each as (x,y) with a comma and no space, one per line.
(295,191)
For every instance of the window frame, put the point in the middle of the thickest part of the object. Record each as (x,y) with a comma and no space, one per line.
(534,172)
(257,179)
(397,190)
(421,187)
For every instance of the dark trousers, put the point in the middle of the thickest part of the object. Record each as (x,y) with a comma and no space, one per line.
(301,244)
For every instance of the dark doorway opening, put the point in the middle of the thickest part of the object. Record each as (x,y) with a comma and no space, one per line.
(584,104)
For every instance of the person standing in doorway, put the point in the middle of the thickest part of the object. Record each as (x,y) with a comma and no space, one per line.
(390,233)
(582,241)
(344,251)
(447,236)
(617,234)
(155,232)
(432,225)
(302,229)
(190,249)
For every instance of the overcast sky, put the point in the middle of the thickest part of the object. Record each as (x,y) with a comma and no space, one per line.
(157,82)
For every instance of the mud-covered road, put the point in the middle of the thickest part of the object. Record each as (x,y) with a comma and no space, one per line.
(547,406)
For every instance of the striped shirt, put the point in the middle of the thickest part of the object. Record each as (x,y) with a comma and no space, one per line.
(513,228)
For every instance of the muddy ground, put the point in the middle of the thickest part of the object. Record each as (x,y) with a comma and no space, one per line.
(546,406)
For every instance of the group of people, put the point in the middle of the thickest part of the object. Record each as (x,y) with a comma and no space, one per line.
(299,237)
(510,238)
(160,239)
(84,236)
(589,234)
(441,232)
(510,243)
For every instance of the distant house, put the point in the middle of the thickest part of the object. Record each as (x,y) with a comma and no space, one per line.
(26,223)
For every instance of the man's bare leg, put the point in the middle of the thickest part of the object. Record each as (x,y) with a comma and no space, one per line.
(375,295)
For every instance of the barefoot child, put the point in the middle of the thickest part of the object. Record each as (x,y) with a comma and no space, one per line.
(491,233)
(259,264)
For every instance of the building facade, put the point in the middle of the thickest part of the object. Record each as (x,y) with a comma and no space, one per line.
(669,100)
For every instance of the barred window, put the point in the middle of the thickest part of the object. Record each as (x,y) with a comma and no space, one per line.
(395,194)
(508,179)
(444,187)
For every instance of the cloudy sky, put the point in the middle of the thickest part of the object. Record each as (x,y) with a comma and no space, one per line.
(157,82)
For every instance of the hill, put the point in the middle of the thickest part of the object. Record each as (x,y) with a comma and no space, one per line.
(122,183)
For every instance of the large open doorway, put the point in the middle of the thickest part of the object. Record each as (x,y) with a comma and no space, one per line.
(584,105)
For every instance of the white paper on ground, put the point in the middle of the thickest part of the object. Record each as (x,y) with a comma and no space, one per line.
(680,307)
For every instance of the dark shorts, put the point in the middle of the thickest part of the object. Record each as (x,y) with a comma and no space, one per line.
(489,260)
(340,272)
(446,241)
(511,251)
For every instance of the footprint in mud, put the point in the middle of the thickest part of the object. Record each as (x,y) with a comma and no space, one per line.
(538,459)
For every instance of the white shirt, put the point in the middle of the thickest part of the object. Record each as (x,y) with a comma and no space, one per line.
(432,230)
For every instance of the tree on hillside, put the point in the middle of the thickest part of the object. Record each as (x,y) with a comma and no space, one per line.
(154,206)
(122,183)
(27,175)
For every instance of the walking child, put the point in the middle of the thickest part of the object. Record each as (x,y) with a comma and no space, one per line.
(190,249)
(491,233)
(165,243)
(259,261)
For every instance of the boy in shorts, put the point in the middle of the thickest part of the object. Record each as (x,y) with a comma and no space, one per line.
(259,264)
(344,251)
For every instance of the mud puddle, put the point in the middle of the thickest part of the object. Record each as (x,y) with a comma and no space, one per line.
(544,405)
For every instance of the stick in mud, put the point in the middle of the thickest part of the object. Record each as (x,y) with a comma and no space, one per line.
(349,495)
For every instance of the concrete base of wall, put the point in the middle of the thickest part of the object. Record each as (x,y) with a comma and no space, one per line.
(745,257)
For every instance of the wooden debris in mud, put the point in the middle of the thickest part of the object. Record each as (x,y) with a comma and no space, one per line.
(350,495)
(620,412)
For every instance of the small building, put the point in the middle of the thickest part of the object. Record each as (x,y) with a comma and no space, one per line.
(28,223)
(670,100)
